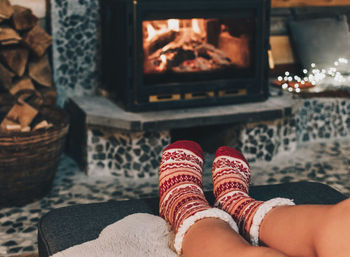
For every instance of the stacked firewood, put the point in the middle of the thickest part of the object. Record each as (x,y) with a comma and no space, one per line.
(25,71)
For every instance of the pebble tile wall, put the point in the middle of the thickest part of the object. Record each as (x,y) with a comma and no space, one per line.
(75,47)
(323,118)
(314,119)
(125,154)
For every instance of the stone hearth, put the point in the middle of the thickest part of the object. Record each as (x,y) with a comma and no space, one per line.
(105,139)
(111,141)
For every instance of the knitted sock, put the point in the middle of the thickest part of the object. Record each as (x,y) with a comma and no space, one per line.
(231,178)
(182,201)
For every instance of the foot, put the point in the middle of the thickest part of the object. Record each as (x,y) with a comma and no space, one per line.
(182,201)
(231,179)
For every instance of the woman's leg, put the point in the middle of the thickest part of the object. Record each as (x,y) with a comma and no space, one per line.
(212,237)
(308,230)
(231,178)
(200,230)
(296,231)
(182,202)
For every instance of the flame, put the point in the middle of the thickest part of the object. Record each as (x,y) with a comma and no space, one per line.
(162,65)
(195,26)
(163,58)
(159,27)
(174,24)
(151,32)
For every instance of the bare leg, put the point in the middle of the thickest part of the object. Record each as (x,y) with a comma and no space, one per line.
(212,237)
(308,230)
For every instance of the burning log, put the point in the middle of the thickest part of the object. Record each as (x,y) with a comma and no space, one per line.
(160,41)
(181,48)
(198,56)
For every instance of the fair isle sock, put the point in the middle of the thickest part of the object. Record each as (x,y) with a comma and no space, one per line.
(231,179)
(182,201)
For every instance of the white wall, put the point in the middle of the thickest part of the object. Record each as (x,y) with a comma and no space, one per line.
(38,6)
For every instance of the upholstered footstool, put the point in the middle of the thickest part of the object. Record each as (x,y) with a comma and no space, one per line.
(68,226)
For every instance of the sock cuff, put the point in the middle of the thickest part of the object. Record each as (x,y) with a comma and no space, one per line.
(229,151)
(260,214)
(209,213)
(188,145)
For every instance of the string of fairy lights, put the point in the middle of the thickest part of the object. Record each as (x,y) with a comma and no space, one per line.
(314,76)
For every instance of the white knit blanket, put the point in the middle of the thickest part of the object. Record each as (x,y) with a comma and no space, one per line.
(137,235)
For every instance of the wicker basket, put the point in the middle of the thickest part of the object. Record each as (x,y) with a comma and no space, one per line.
(29,160)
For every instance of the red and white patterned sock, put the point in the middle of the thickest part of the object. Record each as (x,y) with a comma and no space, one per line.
(231,178)
(182,201)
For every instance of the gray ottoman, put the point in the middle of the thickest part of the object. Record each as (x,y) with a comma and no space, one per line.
(65,227)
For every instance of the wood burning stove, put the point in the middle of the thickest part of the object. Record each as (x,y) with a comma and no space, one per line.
(179,53)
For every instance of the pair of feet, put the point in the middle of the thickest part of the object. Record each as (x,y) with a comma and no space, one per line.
(182,201)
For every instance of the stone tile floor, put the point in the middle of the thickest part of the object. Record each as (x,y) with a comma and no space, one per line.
(327,162)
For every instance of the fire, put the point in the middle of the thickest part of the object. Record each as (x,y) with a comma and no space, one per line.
(174,24)
(163,58)
(195,26)
(162,65)
(151,32)
(182,45)
(155,28)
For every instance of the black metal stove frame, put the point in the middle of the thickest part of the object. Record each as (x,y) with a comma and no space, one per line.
(122,54)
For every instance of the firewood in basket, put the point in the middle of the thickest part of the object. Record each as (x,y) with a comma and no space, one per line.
(25,129)
(32,97)
(16,58)
(22,84)
(23,18)
(6,77)
(40,71)
(6,101)
(37,40)
(8,36)
(42,125)
(6,9)
(9,125)
(49,96)
(22,113)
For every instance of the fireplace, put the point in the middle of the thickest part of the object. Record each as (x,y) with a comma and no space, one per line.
(175,53)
